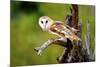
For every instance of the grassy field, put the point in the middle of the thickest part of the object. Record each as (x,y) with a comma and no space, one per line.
(25,33)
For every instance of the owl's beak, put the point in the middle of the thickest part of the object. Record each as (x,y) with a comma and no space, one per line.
(44,29)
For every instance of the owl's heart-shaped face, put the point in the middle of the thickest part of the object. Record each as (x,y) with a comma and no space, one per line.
(45,22)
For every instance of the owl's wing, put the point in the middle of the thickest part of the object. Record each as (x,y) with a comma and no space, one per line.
(60,29)
(72,29)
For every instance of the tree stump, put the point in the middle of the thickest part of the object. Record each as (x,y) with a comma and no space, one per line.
(74,52)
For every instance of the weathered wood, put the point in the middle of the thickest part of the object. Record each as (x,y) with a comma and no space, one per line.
(75,16)
(72,21)
(79,33)
(74,51)
(64,58)
(91,53)
(87,38)
(69,20)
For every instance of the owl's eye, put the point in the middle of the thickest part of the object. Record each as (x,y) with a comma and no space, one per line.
(42,22)
(46,21)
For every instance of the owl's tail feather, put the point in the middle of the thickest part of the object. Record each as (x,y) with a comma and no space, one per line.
(75,37)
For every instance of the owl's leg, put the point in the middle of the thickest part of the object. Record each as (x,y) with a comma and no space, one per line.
(49,42)
(44,46)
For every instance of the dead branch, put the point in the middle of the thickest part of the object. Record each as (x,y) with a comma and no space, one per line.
(87,38)
(74,52)
(87,41)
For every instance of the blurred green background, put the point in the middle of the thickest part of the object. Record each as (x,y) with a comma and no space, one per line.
(26,34)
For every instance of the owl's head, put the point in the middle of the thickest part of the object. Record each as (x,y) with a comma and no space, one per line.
(45,22)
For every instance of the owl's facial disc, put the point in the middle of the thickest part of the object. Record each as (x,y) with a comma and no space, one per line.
(44,23)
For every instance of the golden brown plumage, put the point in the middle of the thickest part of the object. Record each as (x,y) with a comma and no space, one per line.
(58,28)
(61,30)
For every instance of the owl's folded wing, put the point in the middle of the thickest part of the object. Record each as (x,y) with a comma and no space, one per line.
(72,29)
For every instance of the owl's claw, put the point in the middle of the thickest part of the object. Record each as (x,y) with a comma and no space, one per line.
(59,58)
(38,50)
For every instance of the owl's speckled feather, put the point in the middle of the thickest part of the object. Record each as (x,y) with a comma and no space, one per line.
(58,28)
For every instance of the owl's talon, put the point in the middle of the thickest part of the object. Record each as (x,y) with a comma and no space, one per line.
(38,50)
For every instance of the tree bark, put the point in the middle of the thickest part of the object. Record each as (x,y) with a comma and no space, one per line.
(74,51)
(75,16)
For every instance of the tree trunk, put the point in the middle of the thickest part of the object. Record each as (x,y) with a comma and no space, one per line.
(74,52)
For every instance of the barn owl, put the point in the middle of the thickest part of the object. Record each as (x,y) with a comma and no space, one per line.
(57,28)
